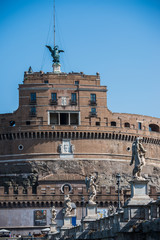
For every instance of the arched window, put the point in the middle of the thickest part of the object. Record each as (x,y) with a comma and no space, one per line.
(113,124)
(153,128)
(127,124)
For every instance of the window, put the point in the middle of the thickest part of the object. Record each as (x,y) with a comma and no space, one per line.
(113,124)
(153,128)
(46,81)
(139,125)
(33,97)
(74,118)
(93,112)
(53,100)
(33,111)
(64,118)
(97,123)
(76,82)
(93,99)
(12,123)
(127,124)
(54,96)
(73,98)
(28,122)
(54,118)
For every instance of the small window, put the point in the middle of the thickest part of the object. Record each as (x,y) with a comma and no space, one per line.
(127,125)
(46,81)
(33,111)
(93,99)
(12,123)
(97,123)
(93,111)
(20,147)
(113,124)
(33,97)
(139,125)
(76,82)
(73,98)
(54,96)
(28,122)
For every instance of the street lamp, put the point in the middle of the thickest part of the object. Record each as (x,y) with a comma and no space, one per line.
(118,177)
(82,199)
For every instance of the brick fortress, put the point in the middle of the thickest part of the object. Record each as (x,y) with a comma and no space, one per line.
(61,132)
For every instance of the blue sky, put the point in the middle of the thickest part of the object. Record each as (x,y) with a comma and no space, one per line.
(120,39)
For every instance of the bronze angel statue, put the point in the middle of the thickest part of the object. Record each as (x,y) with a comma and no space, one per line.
(55,53)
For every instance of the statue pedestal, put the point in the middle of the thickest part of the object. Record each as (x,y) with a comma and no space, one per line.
(136,207)
(67,224)
(67,221)
(91,216)
(53,227)
(56,67)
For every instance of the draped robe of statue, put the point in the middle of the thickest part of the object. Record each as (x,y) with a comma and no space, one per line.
(138,157)
(91,188)
(53,213)
(67,205)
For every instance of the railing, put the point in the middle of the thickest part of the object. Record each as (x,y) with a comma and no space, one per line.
(93,114)
(32,114)
(23,238)
(93,102)
(73,102)
(53,102)
(33,101)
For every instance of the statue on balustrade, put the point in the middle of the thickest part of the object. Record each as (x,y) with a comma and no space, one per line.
(111,210)
(67,205)
(54,213)
(138,157)
(91,187)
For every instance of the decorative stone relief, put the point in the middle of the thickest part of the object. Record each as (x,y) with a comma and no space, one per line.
(66,147)
(63,101)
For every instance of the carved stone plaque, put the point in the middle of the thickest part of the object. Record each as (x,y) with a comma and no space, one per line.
(63,101)
(66,147)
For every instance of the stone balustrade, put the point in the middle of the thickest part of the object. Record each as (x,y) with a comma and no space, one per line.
(117,225)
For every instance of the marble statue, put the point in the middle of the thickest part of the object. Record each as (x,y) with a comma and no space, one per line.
(111,210)
(53,213)
(138,157)
(67,205)
(91,188)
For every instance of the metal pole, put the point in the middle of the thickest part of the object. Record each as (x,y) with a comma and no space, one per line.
(82,198)
(54,24)
(118,176)
(118,197)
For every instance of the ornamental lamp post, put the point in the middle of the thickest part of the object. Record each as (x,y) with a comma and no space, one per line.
(82,199)
(118,177)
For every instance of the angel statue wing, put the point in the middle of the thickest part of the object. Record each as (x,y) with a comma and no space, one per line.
(50,49)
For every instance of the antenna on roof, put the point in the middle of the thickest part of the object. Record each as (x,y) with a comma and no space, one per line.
(54,20)
(55,51)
